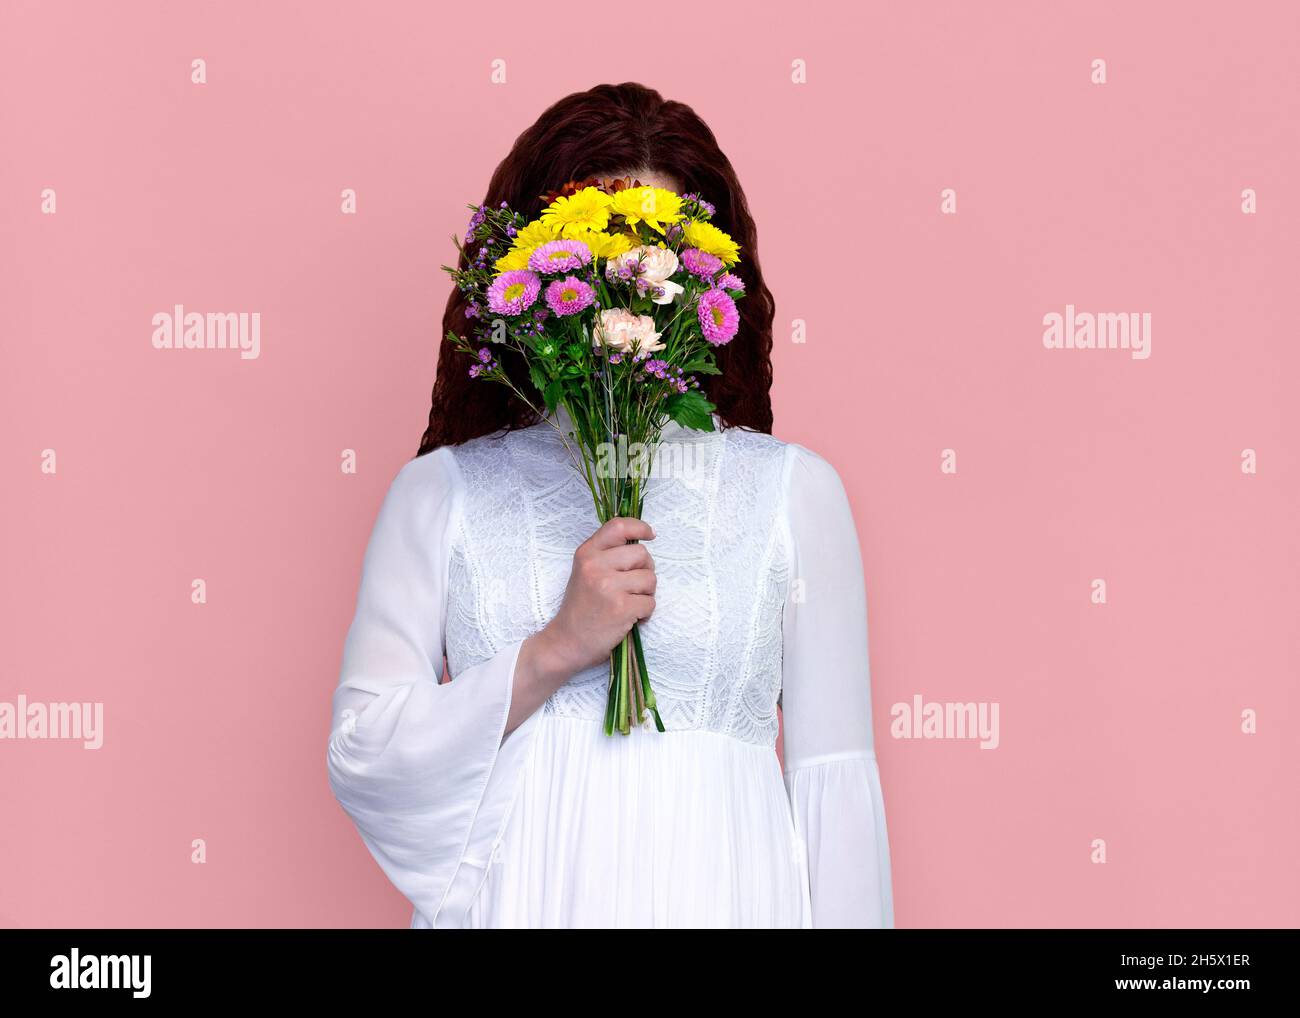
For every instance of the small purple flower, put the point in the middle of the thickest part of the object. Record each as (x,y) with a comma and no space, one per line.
(719,319)
(701,263)
(471,310)
(623,268)
(485,355)
(475,221)
(513,293)
(569,295)
(731,281)
(560,256)
(706,207)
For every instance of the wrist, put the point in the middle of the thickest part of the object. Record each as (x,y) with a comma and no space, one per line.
(545,660)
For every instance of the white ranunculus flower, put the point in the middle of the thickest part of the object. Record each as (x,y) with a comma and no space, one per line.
(657,263)
(671,291)
(620,330)
(652,266)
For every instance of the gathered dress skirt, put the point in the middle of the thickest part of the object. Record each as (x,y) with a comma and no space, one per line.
(673,829)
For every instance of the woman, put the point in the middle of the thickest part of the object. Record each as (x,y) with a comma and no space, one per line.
(496,799)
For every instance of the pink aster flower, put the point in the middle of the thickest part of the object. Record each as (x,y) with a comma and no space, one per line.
(569,295)
(560,256)
(701,263)
(513,293)
(719,318)
(731,281)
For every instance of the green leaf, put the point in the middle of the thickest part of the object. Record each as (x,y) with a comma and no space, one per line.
(702,367)
(538,376)
(552,393)
(691,410)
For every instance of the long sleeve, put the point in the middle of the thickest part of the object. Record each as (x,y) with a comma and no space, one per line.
(831,772)
(422,767)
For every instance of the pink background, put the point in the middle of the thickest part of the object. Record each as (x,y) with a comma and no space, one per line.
(1119,722)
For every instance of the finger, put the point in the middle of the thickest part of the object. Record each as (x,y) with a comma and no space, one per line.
(641,605)
(627,556)
(638,581)
(620,530)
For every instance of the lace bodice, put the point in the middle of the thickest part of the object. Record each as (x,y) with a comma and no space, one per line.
(713,644)
(760,594)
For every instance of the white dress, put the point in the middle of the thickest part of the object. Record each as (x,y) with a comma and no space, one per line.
(760,593)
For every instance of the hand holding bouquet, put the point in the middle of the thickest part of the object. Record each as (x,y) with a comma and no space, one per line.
(614,298)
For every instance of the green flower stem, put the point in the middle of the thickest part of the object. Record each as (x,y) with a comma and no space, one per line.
(644,675)
(624,724)
(637,688)
(611,699)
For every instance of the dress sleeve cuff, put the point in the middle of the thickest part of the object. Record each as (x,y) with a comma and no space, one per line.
(428,776)
(839,814)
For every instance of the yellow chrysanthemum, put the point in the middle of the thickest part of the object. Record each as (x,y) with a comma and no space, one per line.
(527,240)
(578,213)
(535,234)
(606,245)
(711,240)
(511,260)
(654,206)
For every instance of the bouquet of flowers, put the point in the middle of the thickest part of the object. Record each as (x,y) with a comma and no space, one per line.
(615,297)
